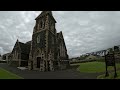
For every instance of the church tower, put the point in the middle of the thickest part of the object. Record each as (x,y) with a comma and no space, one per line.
(48,50)
(43,46)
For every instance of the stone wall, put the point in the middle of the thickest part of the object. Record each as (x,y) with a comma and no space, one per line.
(14,63)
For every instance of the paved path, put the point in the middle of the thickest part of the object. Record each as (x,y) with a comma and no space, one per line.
(65,74)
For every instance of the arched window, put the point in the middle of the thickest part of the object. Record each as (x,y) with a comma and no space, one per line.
(52,40)
(38,39)
(38,27)
(41,24)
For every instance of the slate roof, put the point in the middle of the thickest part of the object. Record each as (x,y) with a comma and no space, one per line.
(60,35)
(25,48)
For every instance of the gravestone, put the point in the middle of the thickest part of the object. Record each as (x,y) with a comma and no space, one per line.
(117,53)
(110,61)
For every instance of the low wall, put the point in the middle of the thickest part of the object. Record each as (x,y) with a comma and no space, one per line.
(3,61)
(82,61)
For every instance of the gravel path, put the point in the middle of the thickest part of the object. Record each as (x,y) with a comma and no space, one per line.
(65,74)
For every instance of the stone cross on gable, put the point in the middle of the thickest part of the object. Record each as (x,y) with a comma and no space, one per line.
(17,37)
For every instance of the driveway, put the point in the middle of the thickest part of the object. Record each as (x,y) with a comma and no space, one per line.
(64,74)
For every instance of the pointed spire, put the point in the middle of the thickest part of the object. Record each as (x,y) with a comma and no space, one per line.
(44,13)
(17,40)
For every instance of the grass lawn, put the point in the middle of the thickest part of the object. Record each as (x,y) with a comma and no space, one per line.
(94,67)
(111,76)
(8,75)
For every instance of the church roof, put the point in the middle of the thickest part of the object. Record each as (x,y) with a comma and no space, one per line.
(28,43)
(25,48)
(61,38)
(44,13)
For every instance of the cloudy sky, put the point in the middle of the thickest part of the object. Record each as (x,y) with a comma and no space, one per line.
(84,31)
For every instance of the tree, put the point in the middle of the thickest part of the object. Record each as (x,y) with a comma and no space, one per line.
(116,48)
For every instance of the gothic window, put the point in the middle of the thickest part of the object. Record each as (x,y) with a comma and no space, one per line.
(38,39)
(38,27)
(52,40)
(15,54)
(44,24)
(52,26)
(41,24)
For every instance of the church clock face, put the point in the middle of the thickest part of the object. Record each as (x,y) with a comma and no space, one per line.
(38,39)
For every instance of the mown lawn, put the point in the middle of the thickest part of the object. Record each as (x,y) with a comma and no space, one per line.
(8,75)
(94,67)
(111,76)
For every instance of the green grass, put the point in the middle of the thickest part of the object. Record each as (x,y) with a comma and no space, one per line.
(8,75)
(94,67)
(111,76)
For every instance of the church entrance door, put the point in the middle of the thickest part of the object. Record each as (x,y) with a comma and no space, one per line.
(48,65)
(38,62)
(31,65)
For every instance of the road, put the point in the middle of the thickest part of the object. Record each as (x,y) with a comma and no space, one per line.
(64,74)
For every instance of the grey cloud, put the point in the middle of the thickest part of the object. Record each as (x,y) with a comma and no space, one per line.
(84,31)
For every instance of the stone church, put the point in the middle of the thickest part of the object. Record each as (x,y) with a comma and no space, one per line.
(20,54)
(46,51)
